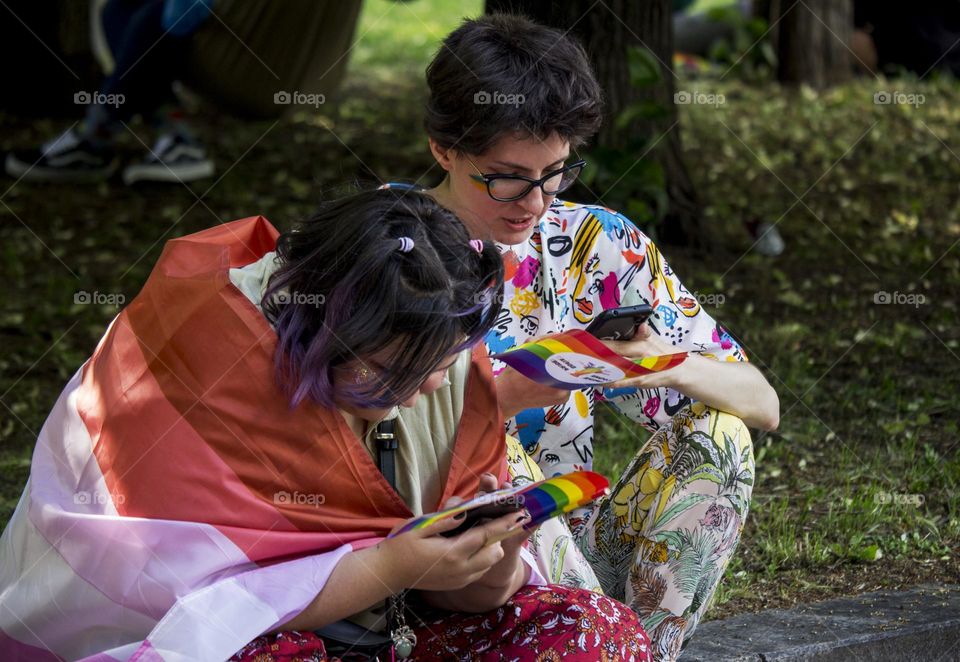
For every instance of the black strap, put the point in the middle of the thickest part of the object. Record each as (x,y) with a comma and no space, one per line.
(387,450)
(341,637)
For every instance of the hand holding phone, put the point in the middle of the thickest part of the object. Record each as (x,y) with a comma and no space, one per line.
(550,497)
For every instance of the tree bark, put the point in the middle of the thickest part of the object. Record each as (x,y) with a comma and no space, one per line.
(607,31)
(812,40)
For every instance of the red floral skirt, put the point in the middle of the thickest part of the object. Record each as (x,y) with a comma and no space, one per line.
(537,623)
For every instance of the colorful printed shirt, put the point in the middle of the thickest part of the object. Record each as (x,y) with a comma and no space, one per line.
(595,259)
(582,260)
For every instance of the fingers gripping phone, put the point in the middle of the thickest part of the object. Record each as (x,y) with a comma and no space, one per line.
(619,323)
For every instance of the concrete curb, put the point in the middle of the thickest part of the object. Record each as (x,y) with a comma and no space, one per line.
(922,623)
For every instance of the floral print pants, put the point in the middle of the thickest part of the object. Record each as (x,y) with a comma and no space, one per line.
(537,624)
(662,539)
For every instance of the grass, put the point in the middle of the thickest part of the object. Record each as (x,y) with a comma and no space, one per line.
(394,35)
(858,487)
(700,6)
(867,390)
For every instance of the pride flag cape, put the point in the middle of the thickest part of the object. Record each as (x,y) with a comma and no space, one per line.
(544,499)
(575,359)
(177,508)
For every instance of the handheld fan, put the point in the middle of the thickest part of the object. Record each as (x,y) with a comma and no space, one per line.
(575,359)
(543,500)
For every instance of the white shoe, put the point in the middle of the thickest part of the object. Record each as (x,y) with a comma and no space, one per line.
(68,158)
(174,159)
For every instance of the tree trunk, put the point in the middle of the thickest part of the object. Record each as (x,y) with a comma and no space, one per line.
(607,30)
(812,39)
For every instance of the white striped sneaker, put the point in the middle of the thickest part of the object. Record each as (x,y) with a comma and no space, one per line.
(67,158)
(173,159)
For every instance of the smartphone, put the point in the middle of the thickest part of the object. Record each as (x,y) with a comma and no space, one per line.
(483,513)
(619,323)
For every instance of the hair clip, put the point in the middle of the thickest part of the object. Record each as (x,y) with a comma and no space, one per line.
(406,244)
(477,245)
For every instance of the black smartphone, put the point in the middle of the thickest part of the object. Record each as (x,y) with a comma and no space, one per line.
(619,323)
(483,513)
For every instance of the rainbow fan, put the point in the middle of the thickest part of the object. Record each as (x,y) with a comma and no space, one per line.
(545,499)
(574,359)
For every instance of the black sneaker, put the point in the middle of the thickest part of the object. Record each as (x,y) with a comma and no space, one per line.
(67,158)
(174,158)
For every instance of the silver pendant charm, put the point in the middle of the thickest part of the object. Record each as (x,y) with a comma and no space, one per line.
(403,641)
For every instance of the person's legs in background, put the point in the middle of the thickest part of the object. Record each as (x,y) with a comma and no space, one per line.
(146,78)
(147,59)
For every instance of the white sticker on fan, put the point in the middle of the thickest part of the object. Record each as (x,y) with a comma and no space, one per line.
(574,368)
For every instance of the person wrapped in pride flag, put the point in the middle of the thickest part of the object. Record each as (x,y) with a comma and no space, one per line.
(206,487)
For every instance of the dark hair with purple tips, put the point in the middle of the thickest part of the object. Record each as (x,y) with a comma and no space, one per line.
(345,292)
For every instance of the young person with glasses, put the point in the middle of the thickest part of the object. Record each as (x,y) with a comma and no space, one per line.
(510,102)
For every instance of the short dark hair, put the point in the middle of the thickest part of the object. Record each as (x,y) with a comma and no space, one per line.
(345,291)
(509,54)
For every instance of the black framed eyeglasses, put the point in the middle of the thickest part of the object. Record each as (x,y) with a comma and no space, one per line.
(507,188)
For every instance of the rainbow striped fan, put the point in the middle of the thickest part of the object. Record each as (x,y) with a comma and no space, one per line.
(544,500)
(574,359)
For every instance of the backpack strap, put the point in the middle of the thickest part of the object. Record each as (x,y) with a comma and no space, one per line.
(387,450)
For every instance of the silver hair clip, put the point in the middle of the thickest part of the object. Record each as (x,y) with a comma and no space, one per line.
(406,244)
